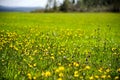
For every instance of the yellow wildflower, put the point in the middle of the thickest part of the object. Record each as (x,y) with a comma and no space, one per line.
(52,57)
(81,77)
(91,78)
(117,77)
(76,74)
(107,70)
(61,68)
(34,78)
(96,76)
(118,70)
(59,79)
(87,67)
(34,64)
(103,76)
(61,74)
(47,74)
(100,70)
(35,51)
(113,49)
(30,65)
(29,76)
(109,76)
(76,64)
(59,64)
(69,65)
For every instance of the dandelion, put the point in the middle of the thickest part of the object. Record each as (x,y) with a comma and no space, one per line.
(117,77)
(81,77)
(52,57)
(76,74)
(96,76)
(34,78)
(107,70)
(103,76)
(59,79)
(34,64)
(69,65)
(31,58)
(59,64)
(61,74)
(30,65)
(100,70)
(35,51)
(118,70)
(61,68)
(29,76)
(87,67)
(46,74)
(109,76)
(91,78)
(113,49)
(76,64)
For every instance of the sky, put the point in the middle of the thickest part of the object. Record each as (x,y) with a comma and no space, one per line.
(24,3)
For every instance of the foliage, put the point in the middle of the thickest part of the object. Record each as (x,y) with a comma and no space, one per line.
(87,5)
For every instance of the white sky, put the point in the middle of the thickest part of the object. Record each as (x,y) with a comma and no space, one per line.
(24,3)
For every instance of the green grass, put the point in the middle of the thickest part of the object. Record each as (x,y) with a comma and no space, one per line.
(67,46)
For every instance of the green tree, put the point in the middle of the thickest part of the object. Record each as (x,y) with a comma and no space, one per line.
(49,4)
(55,5)
(65,5)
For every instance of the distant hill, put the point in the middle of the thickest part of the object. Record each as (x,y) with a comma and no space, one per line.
(18,9)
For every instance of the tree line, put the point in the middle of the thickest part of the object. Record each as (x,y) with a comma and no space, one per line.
(83,6)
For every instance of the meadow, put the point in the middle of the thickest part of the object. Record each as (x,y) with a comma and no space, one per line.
(59,46)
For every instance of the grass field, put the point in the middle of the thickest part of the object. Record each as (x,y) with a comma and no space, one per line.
(59,46)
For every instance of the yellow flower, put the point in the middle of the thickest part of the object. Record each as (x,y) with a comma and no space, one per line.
(59,79)
(91,78)
(96,76)
(69,65)
(31,58)
(117,77)
(34,78)
(61,74)
(52,57)
(81,77)
(35,51)
(100,70)
(61,68)
(103,76)
(107,70)
(56,70)
(76,74)
(47,74)
(30,65)
(118,70)
(87,67)
(109,76)
(15,48)
(113,49)
(59,64)
(76,64)
(34,64)
(29,76)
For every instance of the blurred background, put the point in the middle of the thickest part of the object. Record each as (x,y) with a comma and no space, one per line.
(60,5)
